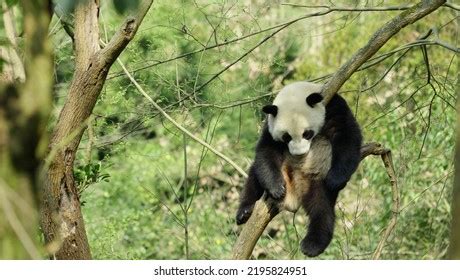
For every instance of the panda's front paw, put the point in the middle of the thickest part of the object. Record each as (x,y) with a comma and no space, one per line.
(243,214)
(277,193)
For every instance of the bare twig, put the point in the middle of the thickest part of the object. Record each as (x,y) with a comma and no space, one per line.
(351,9)
(65,21)
(388,162)
(380,37)
(278,28)
(126,33)
(227,42)
(16,225)
(180,127)
(452,6)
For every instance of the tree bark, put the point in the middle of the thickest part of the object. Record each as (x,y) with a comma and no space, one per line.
(380,37)
(25,104)
(61,218)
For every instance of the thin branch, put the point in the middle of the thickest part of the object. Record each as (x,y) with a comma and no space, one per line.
(350,9)
(16,225)
(428,125)
(278,26)
(65,22)
(364,9)
(234,103)
(180,127)
(241,57)
(395,206)
(227,42)
(452,6)
(380,37)
(126,33)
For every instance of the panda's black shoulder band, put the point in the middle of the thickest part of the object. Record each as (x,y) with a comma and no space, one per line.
(314,98)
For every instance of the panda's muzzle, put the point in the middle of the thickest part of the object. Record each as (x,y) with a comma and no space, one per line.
(299,147)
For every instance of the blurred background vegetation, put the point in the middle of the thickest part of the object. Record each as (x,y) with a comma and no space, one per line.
(150,192)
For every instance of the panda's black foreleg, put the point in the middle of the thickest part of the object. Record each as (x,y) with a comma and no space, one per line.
(251,193)
(346,155)
(267,167)
(319,206)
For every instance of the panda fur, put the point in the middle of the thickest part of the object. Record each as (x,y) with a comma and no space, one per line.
(305,155)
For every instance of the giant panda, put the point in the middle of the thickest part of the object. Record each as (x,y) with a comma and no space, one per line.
(305,155)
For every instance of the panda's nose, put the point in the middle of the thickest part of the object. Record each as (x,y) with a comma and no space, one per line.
(298,148)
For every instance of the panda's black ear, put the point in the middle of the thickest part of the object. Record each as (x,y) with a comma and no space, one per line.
(270,110)
(314,98)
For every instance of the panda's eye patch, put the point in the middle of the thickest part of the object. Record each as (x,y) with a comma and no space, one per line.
(286,137)
(308,134)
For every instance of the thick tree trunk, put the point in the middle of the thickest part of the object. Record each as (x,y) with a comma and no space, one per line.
(25,104)
(61,218)
(66,233)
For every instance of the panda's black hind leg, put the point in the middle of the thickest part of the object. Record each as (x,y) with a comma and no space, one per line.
(320,209)
(251,193)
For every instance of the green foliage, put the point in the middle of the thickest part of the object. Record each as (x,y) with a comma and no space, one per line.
(88,174)
(139,213)
(11,3)
(122,6)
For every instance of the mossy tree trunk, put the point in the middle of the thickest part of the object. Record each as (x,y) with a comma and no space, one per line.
(61,217)
(25,104)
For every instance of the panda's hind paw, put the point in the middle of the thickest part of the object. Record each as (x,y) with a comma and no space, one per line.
(313,247)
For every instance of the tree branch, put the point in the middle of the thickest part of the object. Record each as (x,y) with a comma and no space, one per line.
(180,127)
(255,226)
(388,162)
(350,9)
(65,22)
(125,34)
(264,211)
(380,37)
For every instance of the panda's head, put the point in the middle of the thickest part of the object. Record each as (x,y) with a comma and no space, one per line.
(296,116)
